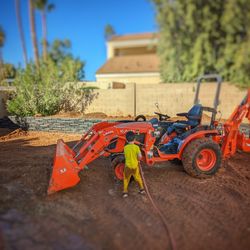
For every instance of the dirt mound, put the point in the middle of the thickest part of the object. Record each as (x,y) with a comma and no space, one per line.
(202,214)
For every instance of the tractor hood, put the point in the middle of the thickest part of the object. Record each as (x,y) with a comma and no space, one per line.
(133,126)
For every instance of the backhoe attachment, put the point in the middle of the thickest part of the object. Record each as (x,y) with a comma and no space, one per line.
(233,137)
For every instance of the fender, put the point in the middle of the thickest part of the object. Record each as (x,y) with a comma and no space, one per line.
(196,135)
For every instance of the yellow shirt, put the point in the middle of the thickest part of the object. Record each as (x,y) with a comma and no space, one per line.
(131,152)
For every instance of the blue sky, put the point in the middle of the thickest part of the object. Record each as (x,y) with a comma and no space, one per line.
(81,21)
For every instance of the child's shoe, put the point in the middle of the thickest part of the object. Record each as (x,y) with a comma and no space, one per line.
(142,191)
(124,195)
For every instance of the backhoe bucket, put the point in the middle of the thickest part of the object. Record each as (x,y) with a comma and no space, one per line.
(65,169)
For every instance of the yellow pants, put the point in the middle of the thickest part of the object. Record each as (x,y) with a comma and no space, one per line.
(128,173)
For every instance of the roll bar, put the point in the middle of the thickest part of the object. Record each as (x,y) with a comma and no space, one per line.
(217,94)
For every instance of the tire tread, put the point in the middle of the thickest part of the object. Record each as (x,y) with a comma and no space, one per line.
(192,150)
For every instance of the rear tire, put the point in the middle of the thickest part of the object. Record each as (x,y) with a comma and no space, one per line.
(201,158)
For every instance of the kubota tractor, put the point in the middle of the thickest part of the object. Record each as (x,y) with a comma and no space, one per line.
(200,147)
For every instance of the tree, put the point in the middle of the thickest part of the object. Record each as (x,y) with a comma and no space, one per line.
(20,28)
(235,61)
(51,89)
(8,72)
(33,32)
(59,50)
(2,40)
(109,31)
(199,36)
(43,6)
(2,37)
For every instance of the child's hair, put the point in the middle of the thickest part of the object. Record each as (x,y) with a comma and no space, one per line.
(130,136)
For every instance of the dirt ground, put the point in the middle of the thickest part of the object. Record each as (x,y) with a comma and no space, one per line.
(211,213)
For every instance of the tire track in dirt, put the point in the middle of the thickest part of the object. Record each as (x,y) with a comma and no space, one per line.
(146,222)
(176,198)
(202,214)
(192,203)
(133,216)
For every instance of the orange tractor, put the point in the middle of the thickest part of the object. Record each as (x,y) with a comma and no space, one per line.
(200,147)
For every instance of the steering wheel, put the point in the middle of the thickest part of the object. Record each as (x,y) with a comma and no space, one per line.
(162,117)
(140,118)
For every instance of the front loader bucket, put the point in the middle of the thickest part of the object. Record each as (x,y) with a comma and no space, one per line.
(65,169)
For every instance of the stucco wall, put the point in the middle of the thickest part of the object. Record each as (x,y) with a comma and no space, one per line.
(172,98)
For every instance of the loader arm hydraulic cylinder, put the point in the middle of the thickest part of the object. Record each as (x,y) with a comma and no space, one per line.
(68,162)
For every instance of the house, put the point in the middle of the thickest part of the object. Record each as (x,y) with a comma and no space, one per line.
(131,58)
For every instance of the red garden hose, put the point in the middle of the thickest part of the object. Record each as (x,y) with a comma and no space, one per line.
(158,211)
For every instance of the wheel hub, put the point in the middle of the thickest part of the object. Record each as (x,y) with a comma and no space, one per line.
(119,171)
(206,159)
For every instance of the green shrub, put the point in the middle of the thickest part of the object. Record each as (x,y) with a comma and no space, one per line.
(50,89)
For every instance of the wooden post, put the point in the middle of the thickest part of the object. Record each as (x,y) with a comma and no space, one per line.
(134,99)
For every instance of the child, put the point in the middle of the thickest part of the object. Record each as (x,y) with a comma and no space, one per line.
(132,155)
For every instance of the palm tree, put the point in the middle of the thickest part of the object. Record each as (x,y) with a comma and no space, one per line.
(20,28)
(2,40)
(43,6)
(33,32)
(109,31)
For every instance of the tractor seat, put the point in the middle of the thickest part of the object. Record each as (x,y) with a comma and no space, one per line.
(154,121)
(193,119)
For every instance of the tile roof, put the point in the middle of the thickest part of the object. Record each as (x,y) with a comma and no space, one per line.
(131,64)
(138,36)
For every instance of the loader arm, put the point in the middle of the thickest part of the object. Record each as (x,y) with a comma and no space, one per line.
(68,162)
(232,134)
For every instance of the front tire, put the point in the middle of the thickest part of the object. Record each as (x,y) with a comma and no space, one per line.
(118,165)
(201,158)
